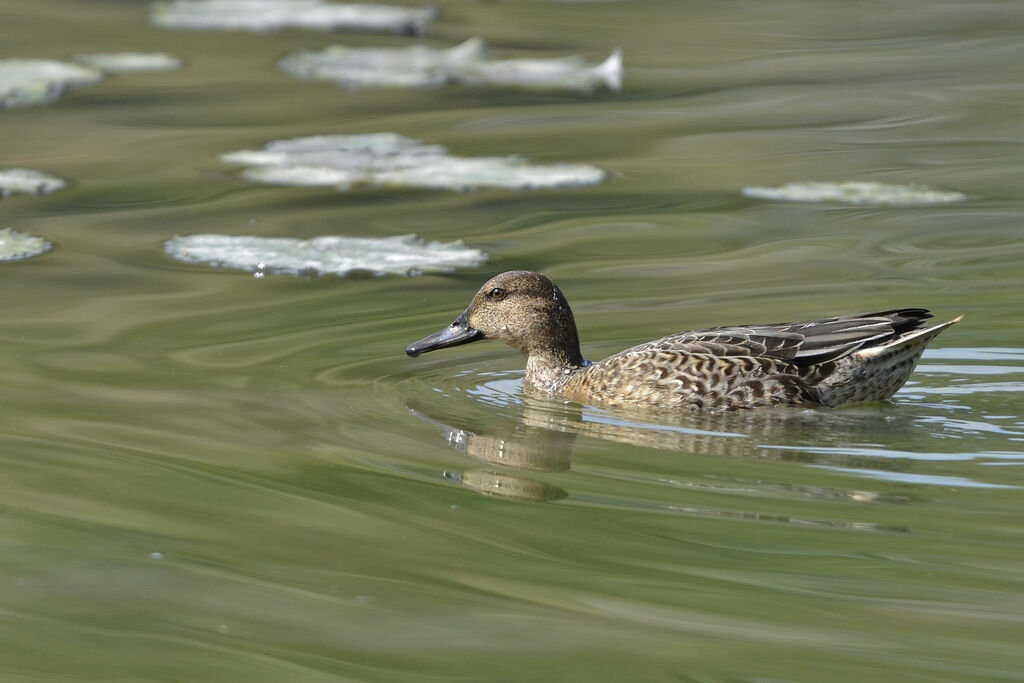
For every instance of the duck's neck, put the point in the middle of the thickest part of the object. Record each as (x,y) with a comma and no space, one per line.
(548,370)
(553,350)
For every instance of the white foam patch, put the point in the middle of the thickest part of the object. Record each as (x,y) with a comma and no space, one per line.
(16,246)
(392,160)
(270,15)
(570,73)
(420,67)
(28,82)
(333,254)
(860,193)
(27,181)
(128,62)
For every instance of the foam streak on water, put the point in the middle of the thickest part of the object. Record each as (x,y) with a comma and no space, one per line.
(419,66)
(860,193)
(334,254)
(27,181)
(392,160)
(270,15)
(29,82)
(130,62)
(15,246)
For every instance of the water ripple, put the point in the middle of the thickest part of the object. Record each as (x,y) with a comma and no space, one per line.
(927,479)
(490,399)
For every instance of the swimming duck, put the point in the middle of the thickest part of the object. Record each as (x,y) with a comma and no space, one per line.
(829,362)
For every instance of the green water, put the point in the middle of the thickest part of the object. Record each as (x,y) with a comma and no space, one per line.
(209,477)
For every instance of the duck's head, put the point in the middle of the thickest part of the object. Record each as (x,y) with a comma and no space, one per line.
(521,308)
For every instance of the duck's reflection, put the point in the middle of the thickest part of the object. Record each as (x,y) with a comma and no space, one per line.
(507,485)
(543,436)
(534,443)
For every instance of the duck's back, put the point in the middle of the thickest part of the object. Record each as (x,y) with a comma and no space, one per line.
(862,357)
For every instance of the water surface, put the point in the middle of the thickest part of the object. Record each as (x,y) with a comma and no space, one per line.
(208,476)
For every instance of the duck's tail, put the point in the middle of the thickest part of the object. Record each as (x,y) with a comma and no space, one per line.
(875,373)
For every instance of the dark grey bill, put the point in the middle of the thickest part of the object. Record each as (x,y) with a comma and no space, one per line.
(459,332)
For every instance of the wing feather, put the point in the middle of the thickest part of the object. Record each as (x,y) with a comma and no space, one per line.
(800,343)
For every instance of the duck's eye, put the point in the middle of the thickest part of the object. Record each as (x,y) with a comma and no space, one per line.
(497,294)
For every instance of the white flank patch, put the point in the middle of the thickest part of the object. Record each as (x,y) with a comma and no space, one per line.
(28,82)
(15,246)
(334,254)
(420,67)
(270,15)
(860,193)
(128,62)
(27,181)
(392,160)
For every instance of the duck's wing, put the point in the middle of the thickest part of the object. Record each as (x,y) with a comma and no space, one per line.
(800,343)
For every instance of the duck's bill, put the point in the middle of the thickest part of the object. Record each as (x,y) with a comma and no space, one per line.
(459,332)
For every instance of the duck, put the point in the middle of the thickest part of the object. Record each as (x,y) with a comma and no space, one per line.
(829,362)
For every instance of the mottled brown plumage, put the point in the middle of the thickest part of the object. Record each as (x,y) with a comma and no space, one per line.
(846,359)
